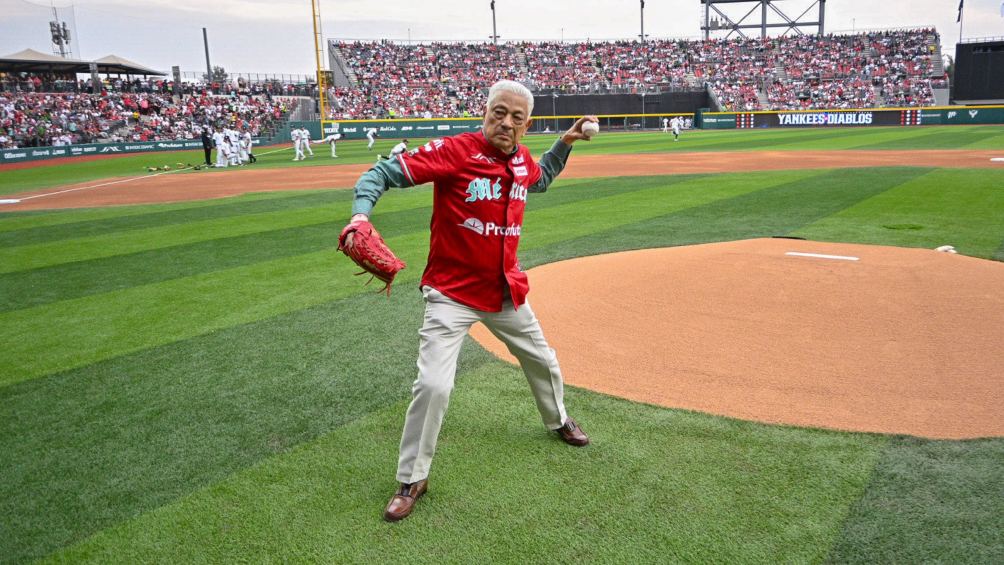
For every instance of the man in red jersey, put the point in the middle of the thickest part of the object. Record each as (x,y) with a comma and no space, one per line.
(481,181)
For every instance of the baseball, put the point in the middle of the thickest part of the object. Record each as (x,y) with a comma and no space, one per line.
(590,129)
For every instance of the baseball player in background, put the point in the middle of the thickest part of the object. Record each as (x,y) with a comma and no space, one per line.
(371,134)
(246,147)
(481,182)
(221,150)
(665,124)
(676,123)
(295,135)
(397,150)
(305,140)
(235,147)
(334,137)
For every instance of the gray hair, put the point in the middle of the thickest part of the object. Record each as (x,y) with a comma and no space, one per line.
(514,87)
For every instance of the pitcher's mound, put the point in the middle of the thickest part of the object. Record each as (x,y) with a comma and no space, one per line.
(851,337)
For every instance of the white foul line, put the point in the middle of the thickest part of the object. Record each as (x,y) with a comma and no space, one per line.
(102,184)
(821,256)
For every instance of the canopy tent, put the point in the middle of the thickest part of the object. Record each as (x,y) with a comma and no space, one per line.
(120,65)
(31,61)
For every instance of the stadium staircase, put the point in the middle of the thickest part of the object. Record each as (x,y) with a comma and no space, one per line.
(524,68)
(341,71)
(761,97)
(781,72)
(941,95)
(879,99)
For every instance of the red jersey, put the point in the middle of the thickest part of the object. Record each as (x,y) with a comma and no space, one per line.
(477,217)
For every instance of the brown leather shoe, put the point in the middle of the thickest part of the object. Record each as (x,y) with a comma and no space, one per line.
(572,434)
(403,501)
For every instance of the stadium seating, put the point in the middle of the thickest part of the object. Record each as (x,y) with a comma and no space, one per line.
(889,68)
(29,119)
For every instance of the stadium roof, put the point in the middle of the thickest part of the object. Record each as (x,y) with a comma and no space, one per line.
(31,61)
(116,64)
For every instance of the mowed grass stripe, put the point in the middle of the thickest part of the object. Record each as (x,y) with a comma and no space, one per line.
(72,333)
(25,289)
(210,209)
(957,207)
(66,281)
(940,139)
(132,241)
(755,214)
(929,502)
(13,221)
(652,495)
(88,448)
(884,138)
(551,225)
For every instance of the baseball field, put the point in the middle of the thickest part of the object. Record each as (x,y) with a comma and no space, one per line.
(191,372)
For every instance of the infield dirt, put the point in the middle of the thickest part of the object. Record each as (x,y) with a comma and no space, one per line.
(902,341)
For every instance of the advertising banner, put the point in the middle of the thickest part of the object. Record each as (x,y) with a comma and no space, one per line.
(37,153)
(356,129)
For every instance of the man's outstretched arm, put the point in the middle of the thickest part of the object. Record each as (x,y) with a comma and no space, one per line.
(553,161)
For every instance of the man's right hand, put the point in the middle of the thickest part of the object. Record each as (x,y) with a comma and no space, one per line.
(355,218)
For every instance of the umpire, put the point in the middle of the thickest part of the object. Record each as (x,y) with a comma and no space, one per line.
(481,181)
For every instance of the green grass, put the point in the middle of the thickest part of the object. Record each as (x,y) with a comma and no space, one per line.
(206,382)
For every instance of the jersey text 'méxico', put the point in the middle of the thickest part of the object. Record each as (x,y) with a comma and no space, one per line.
(477,217)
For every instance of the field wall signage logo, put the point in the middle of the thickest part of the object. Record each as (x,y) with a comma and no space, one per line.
(972,113)
(110,149)
(491,229)
(826,119)
(952,114)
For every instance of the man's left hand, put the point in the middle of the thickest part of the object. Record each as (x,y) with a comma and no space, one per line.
(574,133)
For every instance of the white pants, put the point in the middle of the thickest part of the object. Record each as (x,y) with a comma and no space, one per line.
(372,141)
(446,324)
(306,145)
(221,157)
(333,152)
(299,150)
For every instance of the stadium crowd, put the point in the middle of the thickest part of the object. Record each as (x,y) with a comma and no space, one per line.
(890,68)
(32,119)
(838,71)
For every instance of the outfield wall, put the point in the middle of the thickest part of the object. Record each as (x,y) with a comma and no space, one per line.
(419,128)
(960,115)
(42,153)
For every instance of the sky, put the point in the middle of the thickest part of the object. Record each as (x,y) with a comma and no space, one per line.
(276,36)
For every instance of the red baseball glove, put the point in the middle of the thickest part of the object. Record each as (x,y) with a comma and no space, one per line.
(368,250)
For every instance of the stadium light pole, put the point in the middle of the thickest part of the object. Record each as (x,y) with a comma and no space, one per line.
(495,33)
(642,34)
(315,7)
(209,69)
